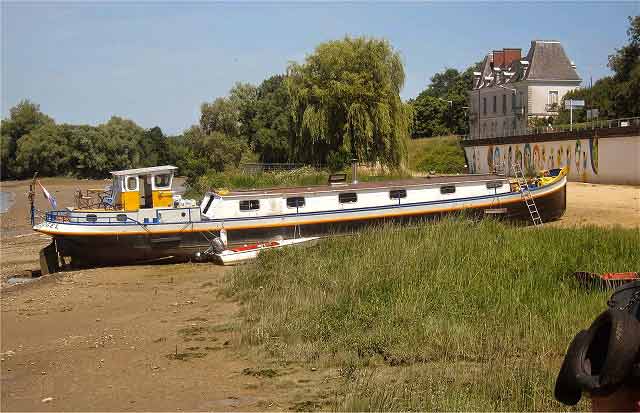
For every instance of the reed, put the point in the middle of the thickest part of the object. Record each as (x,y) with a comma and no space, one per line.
(470,315)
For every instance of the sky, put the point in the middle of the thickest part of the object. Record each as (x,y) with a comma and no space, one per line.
(155,63)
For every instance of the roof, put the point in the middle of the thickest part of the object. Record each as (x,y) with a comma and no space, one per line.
(546,60)
(145,171)
(347,187)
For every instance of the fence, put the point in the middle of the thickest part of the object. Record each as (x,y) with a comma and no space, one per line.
(595,124)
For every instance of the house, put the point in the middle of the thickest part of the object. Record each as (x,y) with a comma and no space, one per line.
(511,92)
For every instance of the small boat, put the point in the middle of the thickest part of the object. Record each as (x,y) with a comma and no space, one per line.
(606,281)
(248,252)
(140,218)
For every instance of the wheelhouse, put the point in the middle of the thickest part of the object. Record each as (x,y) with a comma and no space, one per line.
(142,188)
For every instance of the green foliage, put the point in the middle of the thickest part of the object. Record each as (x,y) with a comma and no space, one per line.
(271,121)
(441,155)
(31,141)
(616,96)
(440,108)
(23,118)
(346,96)
(44,149)
(482,310)
(222,115)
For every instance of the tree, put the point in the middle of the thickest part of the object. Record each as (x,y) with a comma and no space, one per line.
(345,98)
(44,149)
(440,109)
(244,96)
(271,120)
(614,96)
(23,118)
(222,115)
(625,63)
(121,145)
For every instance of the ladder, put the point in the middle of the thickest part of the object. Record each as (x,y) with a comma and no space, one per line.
(523,188)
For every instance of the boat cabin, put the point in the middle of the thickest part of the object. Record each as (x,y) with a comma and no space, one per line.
(142,188)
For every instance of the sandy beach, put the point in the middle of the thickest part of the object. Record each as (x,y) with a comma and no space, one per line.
(159,337)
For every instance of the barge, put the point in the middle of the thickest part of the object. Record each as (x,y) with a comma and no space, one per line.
(142,219)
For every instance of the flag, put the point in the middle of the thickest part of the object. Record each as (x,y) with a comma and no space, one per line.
(50,198)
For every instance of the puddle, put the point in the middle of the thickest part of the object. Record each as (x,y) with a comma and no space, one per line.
(20,280)
(7,199)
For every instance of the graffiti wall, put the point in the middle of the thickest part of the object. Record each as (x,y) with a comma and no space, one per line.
(605,160)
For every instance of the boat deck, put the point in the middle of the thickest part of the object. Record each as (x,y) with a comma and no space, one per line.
(398,183)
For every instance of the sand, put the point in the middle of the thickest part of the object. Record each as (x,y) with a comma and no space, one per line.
(160,337)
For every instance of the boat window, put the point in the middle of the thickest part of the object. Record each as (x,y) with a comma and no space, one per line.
(347,197)
(162,180)
(206,207)
(249,205)
(295,202)
(132,183)
(494,184)
(448,189)
(121,217)
(398,193)
(92,218)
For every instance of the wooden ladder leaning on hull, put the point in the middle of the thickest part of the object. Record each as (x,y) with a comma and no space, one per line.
(525,193)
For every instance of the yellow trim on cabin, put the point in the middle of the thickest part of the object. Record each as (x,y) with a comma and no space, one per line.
(131,201)
(162,198)
(308,222)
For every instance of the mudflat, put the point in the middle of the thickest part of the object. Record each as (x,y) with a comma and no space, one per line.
(161,337)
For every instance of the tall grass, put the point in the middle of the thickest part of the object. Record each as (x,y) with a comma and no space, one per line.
(440,155)
(479,312)
(305,176)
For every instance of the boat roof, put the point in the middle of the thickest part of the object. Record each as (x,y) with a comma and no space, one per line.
(349,186)
(145,171)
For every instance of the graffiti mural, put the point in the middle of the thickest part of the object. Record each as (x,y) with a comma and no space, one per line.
(578,152)
(559,157)
(536,157)
(593,149)
(490,158)
(519,157)
(528,160)
(583,157)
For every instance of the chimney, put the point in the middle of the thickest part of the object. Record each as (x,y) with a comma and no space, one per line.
(498,58)
(511,55)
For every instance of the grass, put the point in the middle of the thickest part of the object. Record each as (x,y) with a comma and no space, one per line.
(457,315)
(441,155)
(305,176)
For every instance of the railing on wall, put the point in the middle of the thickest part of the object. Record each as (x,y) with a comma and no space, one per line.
(595,124)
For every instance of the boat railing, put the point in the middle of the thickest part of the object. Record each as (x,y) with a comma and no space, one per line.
(89,218)
(114,217)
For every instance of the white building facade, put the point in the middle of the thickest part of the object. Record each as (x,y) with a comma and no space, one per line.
(511,91)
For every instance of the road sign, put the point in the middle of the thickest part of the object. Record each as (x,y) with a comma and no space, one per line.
(569,104)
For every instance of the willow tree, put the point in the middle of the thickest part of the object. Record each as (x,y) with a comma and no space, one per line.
(345,102)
